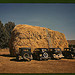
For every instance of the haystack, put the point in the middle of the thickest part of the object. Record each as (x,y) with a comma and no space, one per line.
(35,37)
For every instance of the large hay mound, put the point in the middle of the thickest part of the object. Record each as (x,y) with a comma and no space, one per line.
(35,37)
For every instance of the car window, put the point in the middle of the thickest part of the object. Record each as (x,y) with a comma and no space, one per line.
(68,49)
(44,50)
(37,50)
(72,49)
(58,49)
(25,50)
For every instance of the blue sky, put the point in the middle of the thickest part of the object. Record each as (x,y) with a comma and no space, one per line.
(58,17)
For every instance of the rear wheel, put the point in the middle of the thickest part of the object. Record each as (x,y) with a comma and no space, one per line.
(72,56)
(31,57)
(40,59)
(57,58)
(28,60)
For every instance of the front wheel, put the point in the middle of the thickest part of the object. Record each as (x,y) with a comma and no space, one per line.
(57,58)
(25,56)
(72,56)
(28,60)
(45,55)
(17,57)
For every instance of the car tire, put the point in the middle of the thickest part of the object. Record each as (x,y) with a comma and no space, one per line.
(72,56)
(45,55)
(40,59)
(25,56)
(28,60)
(31,57)
(17,58)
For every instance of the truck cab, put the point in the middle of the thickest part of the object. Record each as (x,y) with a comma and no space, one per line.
(55,53)
(69,52)
(24,53)
(40,54)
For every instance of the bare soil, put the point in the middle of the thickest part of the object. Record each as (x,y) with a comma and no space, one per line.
(9,64)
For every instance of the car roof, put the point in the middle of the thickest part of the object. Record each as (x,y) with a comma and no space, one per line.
(24,48)
(68,48)
(54,48)
(40,48)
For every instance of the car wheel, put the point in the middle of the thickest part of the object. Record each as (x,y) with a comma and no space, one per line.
(25,56)
(40,59)
(72,56)
(17,58)
(45,55)
(58,58)
(31,57)
(28,60)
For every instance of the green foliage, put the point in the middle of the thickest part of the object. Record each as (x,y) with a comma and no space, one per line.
(9,27)
(4,36)
(5,33)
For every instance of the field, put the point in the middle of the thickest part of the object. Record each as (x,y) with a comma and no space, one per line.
(10,65)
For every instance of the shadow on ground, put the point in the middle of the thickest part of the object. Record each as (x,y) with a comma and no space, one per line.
(6,55)
(18,60)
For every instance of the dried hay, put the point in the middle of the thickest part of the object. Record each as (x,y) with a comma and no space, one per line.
(35,37)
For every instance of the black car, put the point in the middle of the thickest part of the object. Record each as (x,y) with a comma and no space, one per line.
(40,54)
(69,52)
(55,53)
(24,53)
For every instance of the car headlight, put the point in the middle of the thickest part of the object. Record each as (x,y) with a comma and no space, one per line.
(54,54)
(40,54)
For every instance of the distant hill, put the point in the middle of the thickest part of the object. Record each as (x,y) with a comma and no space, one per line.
(71,42)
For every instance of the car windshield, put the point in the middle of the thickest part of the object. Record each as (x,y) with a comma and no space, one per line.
(44,50)
(58,50)
(72,49)
(25,49)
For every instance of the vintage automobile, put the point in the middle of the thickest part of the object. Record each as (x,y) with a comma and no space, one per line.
(40,54)
(55,53)
(69,52)
(24,53)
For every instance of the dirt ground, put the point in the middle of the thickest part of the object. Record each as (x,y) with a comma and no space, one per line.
(10,65)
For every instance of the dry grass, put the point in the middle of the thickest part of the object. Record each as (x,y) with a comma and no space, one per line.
(35,37)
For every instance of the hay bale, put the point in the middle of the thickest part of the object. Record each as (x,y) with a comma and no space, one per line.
(35,37)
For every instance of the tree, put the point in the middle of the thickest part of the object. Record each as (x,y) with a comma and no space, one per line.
(9,27)
(4,36)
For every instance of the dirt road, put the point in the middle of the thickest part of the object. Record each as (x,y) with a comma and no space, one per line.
(10,65)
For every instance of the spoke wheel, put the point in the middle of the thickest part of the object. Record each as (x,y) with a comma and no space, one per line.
(25,56)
